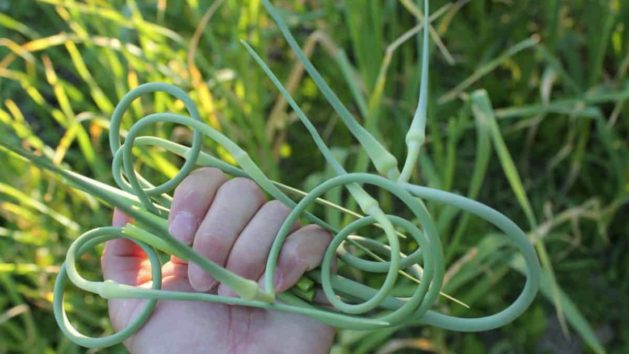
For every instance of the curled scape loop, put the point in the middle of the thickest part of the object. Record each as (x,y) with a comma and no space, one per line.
(385,310)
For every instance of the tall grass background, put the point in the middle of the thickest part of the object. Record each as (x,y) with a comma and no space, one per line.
(527,114)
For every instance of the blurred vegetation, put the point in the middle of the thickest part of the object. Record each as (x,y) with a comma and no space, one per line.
(552,154)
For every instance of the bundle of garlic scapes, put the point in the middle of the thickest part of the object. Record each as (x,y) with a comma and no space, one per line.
(149,205)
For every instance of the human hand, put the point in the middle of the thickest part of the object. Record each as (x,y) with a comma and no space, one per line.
(229,222)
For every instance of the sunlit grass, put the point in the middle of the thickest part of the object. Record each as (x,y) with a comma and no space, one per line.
(550,150)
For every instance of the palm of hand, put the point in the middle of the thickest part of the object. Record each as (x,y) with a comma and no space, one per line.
(199,327)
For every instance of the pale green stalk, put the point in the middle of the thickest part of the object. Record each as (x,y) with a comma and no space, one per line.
(416,135)
(383,160)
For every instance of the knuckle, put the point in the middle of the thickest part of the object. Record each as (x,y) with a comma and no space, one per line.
(207,172)
(198,176)
(317,231)
(184,187)
(308,246)
(294,253)
(196,188)
(237,183)
(276,207)
(202,175)
(243,185)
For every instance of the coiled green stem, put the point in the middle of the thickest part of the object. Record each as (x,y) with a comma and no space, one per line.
(353,305)
(379,308)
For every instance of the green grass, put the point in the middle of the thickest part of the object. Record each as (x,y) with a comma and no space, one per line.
(527,114)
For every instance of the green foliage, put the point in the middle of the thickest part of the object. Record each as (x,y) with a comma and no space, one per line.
(556,75)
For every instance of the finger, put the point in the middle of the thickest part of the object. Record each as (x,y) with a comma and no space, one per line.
(175,270)
(250,251)
(122,260)
(235,204)
(191,202)
(303,251)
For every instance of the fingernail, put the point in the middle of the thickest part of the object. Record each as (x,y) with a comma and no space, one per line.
(182,227)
